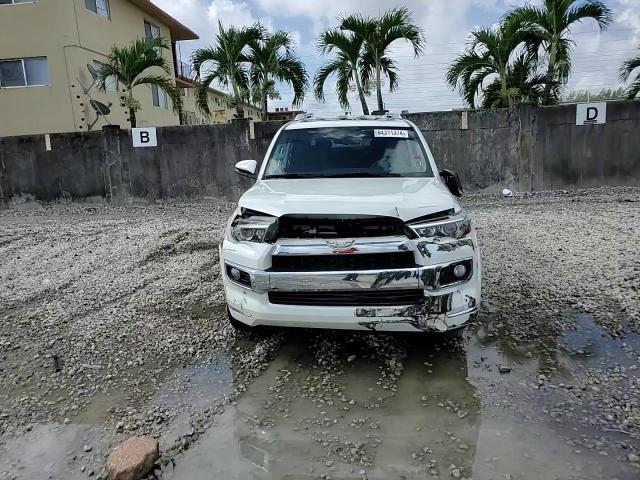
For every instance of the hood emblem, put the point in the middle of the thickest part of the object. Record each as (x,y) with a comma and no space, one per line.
(341,246)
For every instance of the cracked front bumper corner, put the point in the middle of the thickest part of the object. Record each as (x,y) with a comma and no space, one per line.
(436,313)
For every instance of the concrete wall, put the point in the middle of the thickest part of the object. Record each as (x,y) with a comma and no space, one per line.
(533,148)
(524,149)
(189,162)
(484,153)
(72,170)
(565,155)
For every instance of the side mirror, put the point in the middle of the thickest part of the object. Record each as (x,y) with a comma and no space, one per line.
(452,181)
(246,168)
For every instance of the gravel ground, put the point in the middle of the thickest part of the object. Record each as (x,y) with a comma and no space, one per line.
(111,324)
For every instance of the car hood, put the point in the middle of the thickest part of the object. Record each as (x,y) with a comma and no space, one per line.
(404,198)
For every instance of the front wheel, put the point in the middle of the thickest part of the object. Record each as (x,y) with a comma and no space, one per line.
(457,334)
(239,326)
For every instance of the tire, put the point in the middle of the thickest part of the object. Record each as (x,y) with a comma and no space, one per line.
(457,334)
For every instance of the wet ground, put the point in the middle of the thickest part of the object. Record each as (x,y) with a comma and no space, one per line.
(112,325)
(426,409)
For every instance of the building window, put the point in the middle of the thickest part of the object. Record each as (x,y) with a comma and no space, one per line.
(159,96)
(112,82)
(151,30)
(99,7)
(24,72)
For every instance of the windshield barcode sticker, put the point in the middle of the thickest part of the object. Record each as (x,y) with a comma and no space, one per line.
(391,133)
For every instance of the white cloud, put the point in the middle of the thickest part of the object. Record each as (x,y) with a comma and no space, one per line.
(232,13)
(446,23)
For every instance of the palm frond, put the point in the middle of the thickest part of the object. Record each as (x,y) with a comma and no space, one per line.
(343,86)
(634,89)
(325,72)
(591,9)
(128,62)
(202,93)
(628,66)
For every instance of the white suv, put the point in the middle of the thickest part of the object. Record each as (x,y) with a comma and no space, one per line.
(350,226)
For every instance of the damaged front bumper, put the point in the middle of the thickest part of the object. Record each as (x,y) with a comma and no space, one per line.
(428,316)
(444,306)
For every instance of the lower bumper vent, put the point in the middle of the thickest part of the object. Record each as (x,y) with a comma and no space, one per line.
(343,262)
(356,298)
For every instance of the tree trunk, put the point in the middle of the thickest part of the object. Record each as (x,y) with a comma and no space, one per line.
(265,109)
(132,111)
(504,93)
(237,100)
(379,89)
(550,75)
(363,101)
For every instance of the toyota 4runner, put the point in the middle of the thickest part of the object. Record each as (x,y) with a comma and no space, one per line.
(350,226)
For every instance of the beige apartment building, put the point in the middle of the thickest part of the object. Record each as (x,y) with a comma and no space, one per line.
(219,106)
(51,50)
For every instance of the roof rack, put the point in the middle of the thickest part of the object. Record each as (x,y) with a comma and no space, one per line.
(311,116)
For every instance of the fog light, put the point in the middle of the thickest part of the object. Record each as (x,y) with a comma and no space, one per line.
(459,271)
(235,273)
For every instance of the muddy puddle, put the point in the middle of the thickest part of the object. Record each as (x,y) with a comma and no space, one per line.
(337,405)
(594,346)
(348,406)
(51,451)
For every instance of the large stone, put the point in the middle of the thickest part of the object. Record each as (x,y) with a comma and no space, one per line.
(132,459)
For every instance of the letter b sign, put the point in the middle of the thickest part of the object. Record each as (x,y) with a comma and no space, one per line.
(144,137)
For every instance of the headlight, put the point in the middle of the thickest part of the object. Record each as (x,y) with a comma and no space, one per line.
(253,228)
(454,227)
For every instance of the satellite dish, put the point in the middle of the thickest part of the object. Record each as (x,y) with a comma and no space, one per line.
(92,71)
(100,108)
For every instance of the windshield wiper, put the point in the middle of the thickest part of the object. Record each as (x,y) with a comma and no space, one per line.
(361,174)
(292,175)
(333,175)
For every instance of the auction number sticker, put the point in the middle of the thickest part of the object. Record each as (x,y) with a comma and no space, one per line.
(388,133)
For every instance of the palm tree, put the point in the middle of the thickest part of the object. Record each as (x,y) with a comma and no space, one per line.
(626,70)
(272,60)
(346,66)
(487,58)
(129,64)
(524,85)
(378,34)
(225,64)
(549,27)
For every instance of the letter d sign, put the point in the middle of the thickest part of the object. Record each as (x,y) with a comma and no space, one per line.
(144,137)
(591,113)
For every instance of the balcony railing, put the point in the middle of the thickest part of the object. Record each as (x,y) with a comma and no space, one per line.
(185,70)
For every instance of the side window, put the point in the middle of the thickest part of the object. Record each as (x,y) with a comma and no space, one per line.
(99,7)
(23,72)
(280,157)
(151,30)
(159,97)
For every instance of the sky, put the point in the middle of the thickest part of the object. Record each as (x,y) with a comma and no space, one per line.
(446,24)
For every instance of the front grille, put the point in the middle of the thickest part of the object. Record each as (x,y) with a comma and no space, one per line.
(363,226)
(350,298)
(345,262)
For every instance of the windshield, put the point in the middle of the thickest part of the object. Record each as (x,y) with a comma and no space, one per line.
(348,152)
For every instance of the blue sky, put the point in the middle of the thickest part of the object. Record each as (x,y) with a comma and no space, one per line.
(446,23)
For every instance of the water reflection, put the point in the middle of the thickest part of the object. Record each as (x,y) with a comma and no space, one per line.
(345,406)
